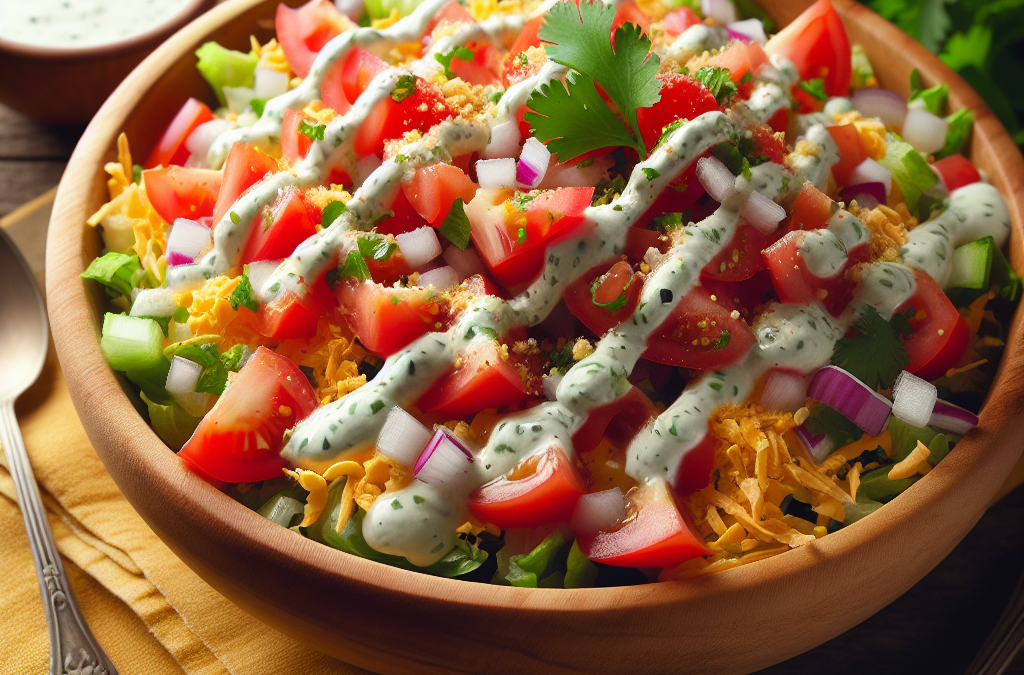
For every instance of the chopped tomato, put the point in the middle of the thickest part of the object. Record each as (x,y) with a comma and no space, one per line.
(956,171)
(177,192)
(453,12)
(780,121)
(678,20)
(699,334)
(244,167)
(434,189)
(767,143)
(404,217)
(422,110)
(817,44)
(794,281)
(851,152)
(735,59)
(295,316)
(240,440)
(512,240)
(940,334)
(680,195)
(387,319)
(294,144)
(741,258)
(682,97)
(629,11)
(618,281)
(694,472)
(658,534)
(744,296)
(170,149)
(541,489)
(304,31)
(514,69)
(619,421)
(485,379)
(279,229)
(811,210)
(358,70)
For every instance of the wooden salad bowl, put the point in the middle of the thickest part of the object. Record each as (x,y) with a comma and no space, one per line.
(393,621)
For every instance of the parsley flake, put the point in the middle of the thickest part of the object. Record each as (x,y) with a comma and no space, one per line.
(651,173)
(332,211)
(405,87)
(312,131)
(375,246)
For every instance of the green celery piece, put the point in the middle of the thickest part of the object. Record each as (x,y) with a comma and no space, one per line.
(909,169)
(117,271)
(381,9)
(971,272)
(222,67)
(171,423)
(554,580)
(935,100)
(876,485)
(525,570)
(131,343)
(960,124)
(151,380)
(579,572)
(281,509)
(1003,275)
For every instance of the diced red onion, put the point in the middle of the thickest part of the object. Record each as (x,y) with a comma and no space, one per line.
(716,178)
(952,418)
(444,462)
(870,171)
(259,272)
(366,166)
(533,163)
(270,83)
(550,383)
(762,213)
(853,399)
(722,11)
(440,278)
(883,104)
(748,30)
(495,174)
(925,131)
(182,376)
(402,438)
(820,447)
(868,195)
(784,392)
(505,139)
(465,263)
(186,241)
(419,247)
(913,399)
(598,512)
(202,137)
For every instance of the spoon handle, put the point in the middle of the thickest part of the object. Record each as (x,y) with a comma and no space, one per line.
(73,649)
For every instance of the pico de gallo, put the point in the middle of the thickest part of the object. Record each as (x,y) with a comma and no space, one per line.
(556,294)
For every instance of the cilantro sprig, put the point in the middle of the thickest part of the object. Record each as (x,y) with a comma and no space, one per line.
(461,52)
(875,355)
(244,294)
(574,119)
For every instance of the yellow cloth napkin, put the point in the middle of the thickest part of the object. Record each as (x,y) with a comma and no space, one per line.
(150,612)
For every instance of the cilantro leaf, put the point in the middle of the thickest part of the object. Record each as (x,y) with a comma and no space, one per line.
(574,119)
(258,105)
(375,246)
(243,294)
(876,356)
(456,225)
(332,211)
(312,131)
(462,52)
(733,158)
(815,88)
(579,39)
(935,99)
(354,267)
(405,87)
(717,81)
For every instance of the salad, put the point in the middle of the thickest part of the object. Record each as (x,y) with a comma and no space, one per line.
(556,294)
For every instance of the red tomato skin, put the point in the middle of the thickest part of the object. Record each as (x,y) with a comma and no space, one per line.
(382,325)
(734,59)
(176,192)
(580,302)
(388,119)
(817,44)
(665,346)
(269,396)
(678,20)
(244,167)
(811,210)
(435,188)
(304,31)
(694,472)
(851,152)
(484,381)
(294,144)
(796,284)
(619,420)
(932,354)
(170,149)
(291,226)
(513,71)
(548,495)
(682,97)
(780,121)
(741,258)
(290,316)
(405,218)
(956,171)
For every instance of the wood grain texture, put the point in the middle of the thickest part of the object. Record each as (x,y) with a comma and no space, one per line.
(395,621)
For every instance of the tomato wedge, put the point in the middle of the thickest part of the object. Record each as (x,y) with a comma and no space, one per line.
(244,167)
(956,171)
(434,189)
(280,229)
(851,152)
(700,334)
(817,44)
(170,149)
(387,319)
(294,316)
(794,281)
(940,335)
(239,440)
(741,258)
(657,534)
(620,289)
(694,472)
(682,97)
(678,20)
(619,420)
(304,31)
(176,192)
(541,489)
(811,210)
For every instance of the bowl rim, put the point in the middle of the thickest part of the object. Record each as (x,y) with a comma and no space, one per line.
(114,426)
(107,49)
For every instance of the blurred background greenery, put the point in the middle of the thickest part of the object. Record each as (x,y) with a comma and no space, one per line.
(983,40)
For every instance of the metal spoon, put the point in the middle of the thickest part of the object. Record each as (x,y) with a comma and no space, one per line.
(24,340)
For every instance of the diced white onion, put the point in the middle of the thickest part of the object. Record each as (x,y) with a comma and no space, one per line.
(504,142)
(574,175)
(870,171)
(495,174)
(465,263)
(259,272)
(270,83)
(238,98)
(913,399)
(178,332)
(533,163)
(153,302)
(598,511)
(402,438)
(752,28)
(419,247)
(440,278)
(883,104)
(182,376)
(353,9)
(199,141)
(762,213)
(444,462)
(925,131)
(366,166)
(784,392)
(551,382)
(187,240)
(716,178)
(722,11)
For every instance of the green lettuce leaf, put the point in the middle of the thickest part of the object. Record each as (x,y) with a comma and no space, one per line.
(222,67)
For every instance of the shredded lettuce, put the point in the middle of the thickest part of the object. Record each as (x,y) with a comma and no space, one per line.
(579,572)
(537,567)
(222,67)
(960,124)
(909,169)
(119,272)
(905,438)
(171,423)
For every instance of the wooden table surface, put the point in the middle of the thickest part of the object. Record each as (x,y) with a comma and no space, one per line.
(936,627)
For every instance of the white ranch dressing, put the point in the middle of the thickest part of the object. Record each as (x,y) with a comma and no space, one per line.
(73,24)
